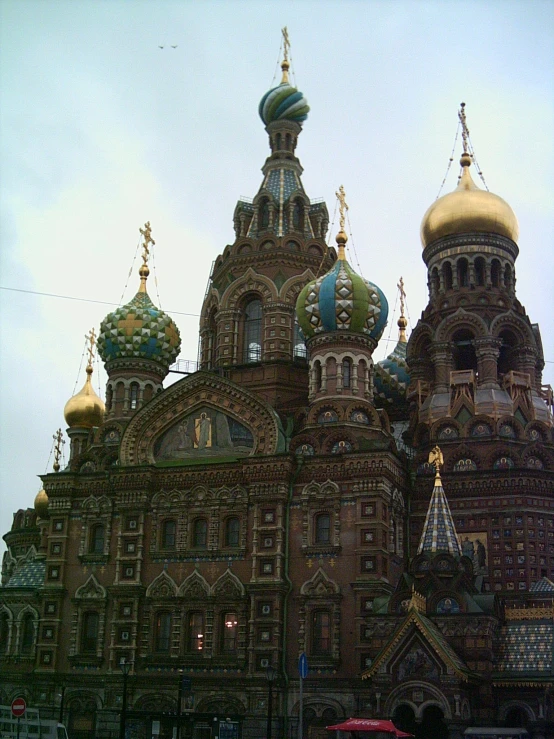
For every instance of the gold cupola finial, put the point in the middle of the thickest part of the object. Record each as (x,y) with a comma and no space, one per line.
(341,237)
(147,243)
(60,441)
(285,65)
(465,160)
(437,460)
(402,322)
(86,409)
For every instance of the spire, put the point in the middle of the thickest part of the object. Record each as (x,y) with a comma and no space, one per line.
(402,322)
(439,533)
(148,241)
(341,237)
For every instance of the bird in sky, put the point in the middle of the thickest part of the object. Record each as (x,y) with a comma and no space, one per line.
(174,47)
(160,47)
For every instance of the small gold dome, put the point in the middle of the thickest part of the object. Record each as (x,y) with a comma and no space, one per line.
(41,504)
(85,409)
(468,209)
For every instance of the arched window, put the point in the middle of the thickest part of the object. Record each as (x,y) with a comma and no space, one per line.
(109,398)
(232,532)
(89,632)
(253,331)
(278,141)
(435,282)
(298,216)
(480,271)
(317,368)
(447,275)
(162,634)
(97,535)
(169,529)
(463,354)
(264,214)
(495,273)
(229,632)
(463,275)
(27,634)
(288,141)
(133,395)
(4,632)
(321,632)
(322,528)
(196,632)
(507,357)
(508,277)
(300,351)
(346,372)
(200,534)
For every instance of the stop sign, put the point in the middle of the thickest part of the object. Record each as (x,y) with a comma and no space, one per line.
(18,707)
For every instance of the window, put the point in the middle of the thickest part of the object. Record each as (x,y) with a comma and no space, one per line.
(264,214)
(200,533)
(229,632)
(169,528)
(300,351)
(321,632)
(323,528)
(162,632)
(96,544)
(27,634)
(253,331)
(89,633)
(196,632)
(346,372)
(232,532)
(4,632)
(133,395)
(298,216)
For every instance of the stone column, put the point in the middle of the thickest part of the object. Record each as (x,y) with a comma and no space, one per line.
(487,351)
(441,354)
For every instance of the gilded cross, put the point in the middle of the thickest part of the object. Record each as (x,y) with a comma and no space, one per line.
(343,206)
(286,44)
(91,339)
(148,241)
(58,438)
(400,286)
(465,129)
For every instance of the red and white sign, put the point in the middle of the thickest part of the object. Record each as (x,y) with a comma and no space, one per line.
(18,707)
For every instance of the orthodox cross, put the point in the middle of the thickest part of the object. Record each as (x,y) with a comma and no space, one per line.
(91,339)
(343,205)
(148,241)
(465,129)
(286,44)
(400,286)
(58,449)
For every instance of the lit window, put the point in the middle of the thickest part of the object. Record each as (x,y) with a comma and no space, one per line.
(230,632)
(196,632)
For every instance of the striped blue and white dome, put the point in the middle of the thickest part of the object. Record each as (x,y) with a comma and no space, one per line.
(284,102)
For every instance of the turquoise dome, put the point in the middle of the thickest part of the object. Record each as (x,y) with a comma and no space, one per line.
(391,377)
(283,103)
(139,330)
(341,300)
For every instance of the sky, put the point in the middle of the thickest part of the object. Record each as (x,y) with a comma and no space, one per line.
(101,130)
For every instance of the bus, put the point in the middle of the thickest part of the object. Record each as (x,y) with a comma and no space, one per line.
(31,726)
(492,732)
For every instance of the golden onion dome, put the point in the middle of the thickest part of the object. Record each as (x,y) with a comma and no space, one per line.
(41,504)
(85,409)
(468,209)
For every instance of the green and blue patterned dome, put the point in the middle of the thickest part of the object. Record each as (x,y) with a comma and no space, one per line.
(341,300)
(139,330)
(283,103)
(391,377)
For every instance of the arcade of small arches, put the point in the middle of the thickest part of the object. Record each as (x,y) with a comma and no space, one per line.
(339,372)
(465,272)
(127,395)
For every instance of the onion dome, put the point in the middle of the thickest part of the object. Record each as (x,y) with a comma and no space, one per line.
(139,330)
(85,409)
(283,103)
(41,504)
(391,378)
(341,300)
(468,210)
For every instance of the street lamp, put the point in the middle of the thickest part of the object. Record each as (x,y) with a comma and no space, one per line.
(271,675)
(62,697)
(125,669)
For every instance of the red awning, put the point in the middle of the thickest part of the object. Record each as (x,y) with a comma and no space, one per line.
(368,724)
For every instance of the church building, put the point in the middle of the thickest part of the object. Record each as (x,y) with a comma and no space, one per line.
(390,524)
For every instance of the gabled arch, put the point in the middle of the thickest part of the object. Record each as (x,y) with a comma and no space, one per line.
(250,282)
(163,586)
(98,506)
(461,319)
(319,586)
(91,590)
(228,587)
(321,491)
(292,287)
(167,499)
(514,323)
(194,587)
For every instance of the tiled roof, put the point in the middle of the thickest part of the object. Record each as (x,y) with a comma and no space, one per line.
(544,585)
(526,648)
(439,533)
(31,575)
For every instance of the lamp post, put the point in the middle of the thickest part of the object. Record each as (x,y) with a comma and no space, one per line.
(271,675)
(125,669)
(62,696)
